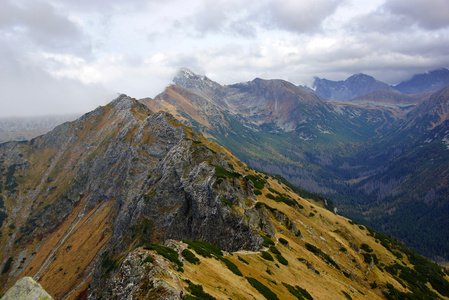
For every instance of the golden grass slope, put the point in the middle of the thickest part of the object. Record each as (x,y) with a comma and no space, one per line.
(335,235)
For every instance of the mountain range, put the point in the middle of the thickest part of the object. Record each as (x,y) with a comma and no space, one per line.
(174,197)
(361,84)
(375,156)
(129,203)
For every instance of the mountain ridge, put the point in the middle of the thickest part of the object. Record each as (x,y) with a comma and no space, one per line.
(430,81)
(126,202)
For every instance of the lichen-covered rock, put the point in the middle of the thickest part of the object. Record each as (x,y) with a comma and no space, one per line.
(142,275)
(28,289)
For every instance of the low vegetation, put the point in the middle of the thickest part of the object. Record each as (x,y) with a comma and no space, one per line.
(322,255)
(211,251)
(190,257)
(264,290)
(298,292)
(205,249)
(166,252)
(259,182)
(221,172)
(267,256)
(197,291)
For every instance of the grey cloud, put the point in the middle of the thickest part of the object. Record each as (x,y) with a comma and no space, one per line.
(210,18)
(404,16)
(299,16)
(243,28)
(40,25)
(224,17)
(27,90)
(429,14)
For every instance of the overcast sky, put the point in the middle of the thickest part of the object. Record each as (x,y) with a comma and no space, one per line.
(70,56)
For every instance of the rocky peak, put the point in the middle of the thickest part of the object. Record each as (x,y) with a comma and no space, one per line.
(201,85)
(189,80)
(123,102)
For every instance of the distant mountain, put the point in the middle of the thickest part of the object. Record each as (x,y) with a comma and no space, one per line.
(429,81)
(126,203)
(354,86)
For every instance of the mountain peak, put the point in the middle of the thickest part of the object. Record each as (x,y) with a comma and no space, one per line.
(354,86)
(361,76)
(197,83)
(123,102)
(186,78)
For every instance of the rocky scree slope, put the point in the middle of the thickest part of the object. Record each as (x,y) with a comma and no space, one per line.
(118,177)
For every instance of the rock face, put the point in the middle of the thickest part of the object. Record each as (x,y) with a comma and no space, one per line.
(27,288)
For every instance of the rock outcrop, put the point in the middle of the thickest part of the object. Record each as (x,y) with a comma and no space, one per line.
(26,288)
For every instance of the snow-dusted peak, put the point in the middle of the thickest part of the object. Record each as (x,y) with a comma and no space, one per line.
(192,81)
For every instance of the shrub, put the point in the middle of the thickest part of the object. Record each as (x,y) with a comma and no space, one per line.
(270,196)
(259,183)
(284,241)
(347,295)
(323,255)
(267,241)
(274,250)
(366,248)
(198,291)
(298,292)
(226,202)
(243,260)
(190,257)
(367,258)
(232,267)
(148,259)
(7,265)
(281,259)
(257,192)
(221,172)
(205,249)
(267,256)
(166,252)
(264,290)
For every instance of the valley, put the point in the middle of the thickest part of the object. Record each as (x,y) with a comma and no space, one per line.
(361,153)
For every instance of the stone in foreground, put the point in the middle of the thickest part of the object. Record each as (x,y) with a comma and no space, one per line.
(27,288)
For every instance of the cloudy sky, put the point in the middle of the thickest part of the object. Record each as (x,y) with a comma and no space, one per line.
(70,56)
